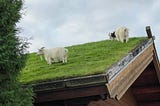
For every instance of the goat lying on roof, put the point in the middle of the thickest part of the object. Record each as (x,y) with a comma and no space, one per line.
(121,34)
(58,54)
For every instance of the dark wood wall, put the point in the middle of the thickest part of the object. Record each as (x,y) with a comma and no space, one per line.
(145,91)
(70,102)
(146,88)
(127,100)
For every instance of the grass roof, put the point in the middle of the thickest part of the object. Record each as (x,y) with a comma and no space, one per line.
(85,59)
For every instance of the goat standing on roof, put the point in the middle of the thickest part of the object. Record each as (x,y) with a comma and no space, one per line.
(58,54)
(121,34)
(112,36)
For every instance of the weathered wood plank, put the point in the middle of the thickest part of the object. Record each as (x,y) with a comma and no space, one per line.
(70,83)
(118,86)
(149,33)
(146,90)
(156,64)
(156,61)
(149,104)
(117,67)
(147,78)
(70,93)
(127,100)
(148,97)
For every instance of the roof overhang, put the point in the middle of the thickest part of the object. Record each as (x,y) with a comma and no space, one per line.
(120,83)
(114,83)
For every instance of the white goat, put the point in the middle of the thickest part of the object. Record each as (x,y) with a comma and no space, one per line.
(121,34)
(54,55)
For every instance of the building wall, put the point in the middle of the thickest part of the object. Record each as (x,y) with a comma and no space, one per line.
(127,100)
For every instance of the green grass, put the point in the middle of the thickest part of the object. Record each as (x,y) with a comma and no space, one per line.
(86,59)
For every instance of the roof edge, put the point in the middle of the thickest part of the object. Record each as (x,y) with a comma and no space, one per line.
(122,64)
(99,79)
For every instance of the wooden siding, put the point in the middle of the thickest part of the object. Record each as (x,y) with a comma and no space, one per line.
(146,88)
(118,86)
(145,91)
(70,93)
(138,83)
(127,100)
(118,79)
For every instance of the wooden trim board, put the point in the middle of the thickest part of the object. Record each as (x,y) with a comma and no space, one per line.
(119,85)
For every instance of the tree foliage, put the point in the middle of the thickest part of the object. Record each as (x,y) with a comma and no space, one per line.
(12,56)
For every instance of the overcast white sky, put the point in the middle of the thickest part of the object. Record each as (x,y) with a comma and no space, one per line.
(53,23)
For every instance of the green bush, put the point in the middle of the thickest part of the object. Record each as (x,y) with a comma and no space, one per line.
(12,56)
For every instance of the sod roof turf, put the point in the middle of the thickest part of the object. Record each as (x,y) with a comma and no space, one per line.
(83,60)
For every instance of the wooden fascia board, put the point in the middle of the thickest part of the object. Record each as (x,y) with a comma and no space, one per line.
(71,83)
(154,103)
(155,57)
(156,63)
(70,93)
(92,79)
(146,90)
(90,82)
(120,84)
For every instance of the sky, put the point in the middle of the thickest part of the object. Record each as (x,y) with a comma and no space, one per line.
(55,23)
